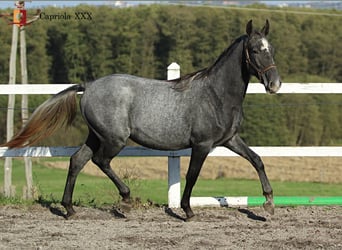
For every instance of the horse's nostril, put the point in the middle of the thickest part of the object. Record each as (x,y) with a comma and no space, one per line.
(271,85)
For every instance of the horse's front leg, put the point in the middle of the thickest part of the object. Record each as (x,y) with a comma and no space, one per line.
(199,154)
(237,145)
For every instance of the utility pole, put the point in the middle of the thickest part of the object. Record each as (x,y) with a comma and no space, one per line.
(8,190)
(28,190)
(19,22)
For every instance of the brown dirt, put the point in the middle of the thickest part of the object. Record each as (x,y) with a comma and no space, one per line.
(314,169)
(37,227)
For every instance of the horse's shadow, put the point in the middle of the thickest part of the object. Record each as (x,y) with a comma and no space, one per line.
(57,211)
(172,214)
(51,205)
(60,212)
(251,215)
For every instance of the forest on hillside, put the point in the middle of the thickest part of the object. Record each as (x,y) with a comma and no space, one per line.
(144,40)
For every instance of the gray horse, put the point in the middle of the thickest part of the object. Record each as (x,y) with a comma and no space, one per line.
(201,110)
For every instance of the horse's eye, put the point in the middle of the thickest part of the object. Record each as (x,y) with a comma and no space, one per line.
(255,51)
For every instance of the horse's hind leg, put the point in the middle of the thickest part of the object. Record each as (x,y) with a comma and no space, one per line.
(237,145)
(77,162)
(102,159)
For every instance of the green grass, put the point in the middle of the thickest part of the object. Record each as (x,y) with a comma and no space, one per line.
(97,191)
(236,187)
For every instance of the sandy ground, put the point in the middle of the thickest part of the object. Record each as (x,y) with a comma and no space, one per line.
(44,227)
(38,227)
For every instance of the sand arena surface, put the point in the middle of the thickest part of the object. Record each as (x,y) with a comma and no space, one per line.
(37,227)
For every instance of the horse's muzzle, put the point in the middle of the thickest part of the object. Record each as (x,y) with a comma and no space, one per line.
(273,86)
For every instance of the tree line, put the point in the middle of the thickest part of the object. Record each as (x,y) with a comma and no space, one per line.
(144,40)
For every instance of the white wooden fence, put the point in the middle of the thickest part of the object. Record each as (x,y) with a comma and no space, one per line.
(174,156)
(253,88)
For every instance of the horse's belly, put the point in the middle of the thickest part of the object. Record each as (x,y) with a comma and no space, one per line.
(164,138)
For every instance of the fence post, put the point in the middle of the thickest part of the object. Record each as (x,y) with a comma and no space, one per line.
(174,191)
(24,113)
(174,182)
(173,71)
(8,189)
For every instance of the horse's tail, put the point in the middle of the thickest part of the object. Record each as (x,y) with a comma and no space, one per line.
(54,113)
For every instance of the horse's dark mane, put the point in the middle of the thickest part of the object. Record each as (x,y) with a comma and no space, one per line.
(184,82)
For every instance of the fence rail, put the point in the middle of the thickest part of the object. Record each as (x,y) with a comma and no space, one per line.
(174,156)
(253,88)
(329,151)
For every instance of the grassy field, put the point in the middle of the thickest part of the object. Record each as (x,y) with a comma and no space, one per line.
(97,191)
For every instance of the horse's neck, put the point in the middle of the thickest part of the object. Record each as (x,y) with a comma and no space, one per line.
(229,76)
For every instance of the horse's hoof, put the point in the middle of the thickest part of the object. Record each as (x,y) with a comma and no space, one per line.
(69,215)
(191,218)
(269,207)
(70,212)
(125,206)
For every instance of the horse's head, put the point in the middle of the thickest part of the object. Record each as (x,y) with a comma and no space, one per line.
(259,58)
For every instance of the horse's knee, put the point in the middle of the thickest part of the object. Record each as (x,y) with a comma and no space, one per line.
(257,163)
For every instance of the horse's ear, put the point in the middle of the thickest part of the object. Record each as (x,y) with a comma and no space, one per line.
(249,28)
(266,28)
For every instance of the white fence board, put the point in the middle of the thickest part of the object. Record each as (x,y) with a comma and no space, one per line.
(146,152)
(32,89)
(299,88)
(253,88)
(282,151)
